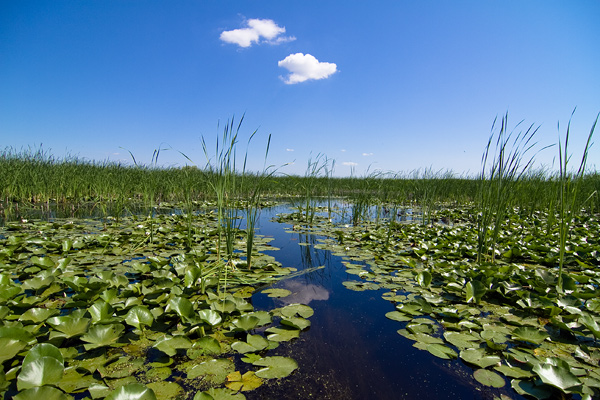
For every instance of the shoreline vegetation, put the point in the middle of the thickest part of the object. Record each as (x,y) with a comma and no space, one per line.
(499,269)
(35,180)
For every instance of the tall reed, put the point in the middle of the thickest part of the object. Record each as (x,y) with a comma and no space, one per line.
(501,172)
(252,187)
(568,191)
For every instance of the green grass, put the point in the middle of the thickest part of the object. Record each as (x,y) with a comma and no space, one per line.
(35,182)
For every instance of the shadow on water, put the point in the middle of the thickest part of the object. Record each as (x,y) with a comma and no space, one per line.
(351,350)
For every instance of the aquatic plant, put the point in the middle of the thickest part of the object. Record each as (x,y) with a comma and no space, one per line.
(500,173)
(81,317)
(568,192)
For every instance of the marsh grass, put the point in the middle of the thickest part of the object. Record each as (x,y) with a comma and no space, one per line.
(507,158)
(569,187)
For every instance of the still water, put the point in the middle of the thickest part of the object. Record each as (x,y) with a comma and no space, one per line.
(351,350)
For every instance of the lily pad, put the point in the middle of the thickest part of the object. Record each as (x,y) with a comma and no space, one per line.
(529,334)
(170,344)
(489,378)
(301,310)
(134,391)
(166,390)
(529,388)
(219,394)
(102,335)
(479,358)
(475,291)
(398,316)
(139,316)
(211,317)
(44,392)
(441,351)
(275,367)
(238,382)
(282,335)
(277,292)
(213,371)
(556,373)
(68,326)
(39,372)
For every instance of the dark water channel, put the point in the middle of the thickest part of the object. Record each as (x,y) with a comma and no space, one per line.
(351,350)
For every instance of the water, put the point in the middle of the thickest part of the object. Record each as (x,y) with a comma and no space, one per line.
(351,350)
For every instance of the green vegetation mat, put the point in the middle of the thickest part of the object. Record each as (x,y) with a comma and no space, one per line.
(95,310)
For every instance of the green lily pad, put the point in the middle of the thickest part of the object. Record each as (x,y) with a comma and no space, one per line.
(166,390)
(301,310)
(475,290)
(204,345)
(489,378)
(15,332)
(219,394)
(479,357)
(134,391)
(9,348)
(170,344)
(102,335)
(277,292)
(424,278)
(282,335)
(39,372)
(101,312)
(246,322)
(275,367)
(398,316)
(441,351)
(139,316)
(461,340)
(529,334)
(513,372)
(296,322)
(68,326)
(556,373)
(37,315)
(213,371)
(43,392)
(211,317)
(73,381)
(529,388)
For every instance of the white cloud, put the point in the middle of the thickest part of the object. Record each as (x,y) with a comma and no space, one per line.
(343,150)
(289,149)
(367,154)
(303,67)
(350,163)
(257,29)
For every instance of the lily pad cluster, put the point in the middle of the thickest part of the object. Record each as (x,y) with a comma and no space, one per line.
(509,320)
(136,309)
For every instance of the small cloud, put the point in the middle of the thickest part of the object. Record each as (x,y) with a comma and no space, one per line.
(289,149)
(304,67)
(343,150)
(350,163)
(367,154)
(257,29)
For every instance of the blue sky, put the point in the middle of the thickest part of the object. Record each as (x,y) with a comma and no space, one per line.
(386,85)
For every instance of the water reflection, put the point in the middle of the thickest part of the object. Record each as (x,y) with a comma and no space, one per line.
(302,292)
(351,350)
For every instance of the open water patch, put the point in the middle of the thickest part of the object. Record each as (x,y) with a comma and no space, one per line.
(351,350)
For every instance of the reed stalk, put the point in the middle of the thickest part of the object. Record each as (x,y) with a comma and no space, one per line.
(568,192)
(501,172)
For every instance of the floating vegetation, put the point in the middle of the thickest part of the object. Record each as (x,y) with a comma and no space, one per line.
(101,310)
(507,319)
